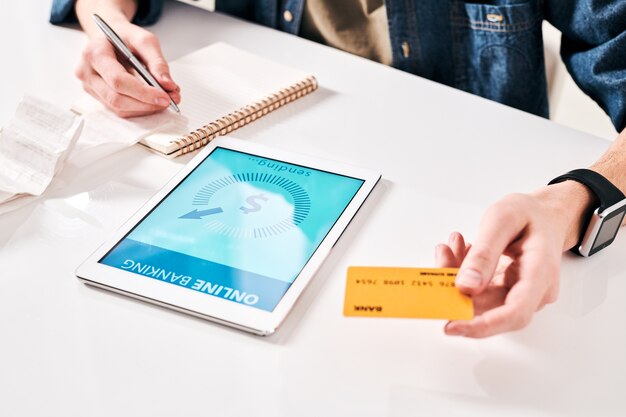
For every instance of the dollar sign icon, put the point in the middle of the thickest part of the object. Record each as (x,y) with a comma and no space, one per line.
(252,201)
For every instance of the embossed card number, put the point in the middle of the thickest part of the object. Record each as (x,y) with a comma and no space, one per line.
(405,292)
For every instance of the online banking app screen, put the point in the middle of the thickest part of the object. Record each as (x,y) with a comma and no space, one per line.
(239,227)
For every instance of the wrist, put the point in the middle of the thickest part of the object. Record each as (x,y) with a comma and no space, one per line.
(612,164)
(570,204)
(117,13)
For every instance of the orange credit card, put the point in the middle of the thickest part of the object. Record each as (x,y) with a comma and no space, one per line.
(428,293)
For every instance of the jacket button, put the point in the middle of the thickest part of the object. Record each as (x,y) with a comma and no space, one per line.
(406,51)
(287,16)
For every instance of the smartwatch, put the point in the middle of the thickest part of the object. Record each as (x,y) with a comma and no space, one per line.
(603,224)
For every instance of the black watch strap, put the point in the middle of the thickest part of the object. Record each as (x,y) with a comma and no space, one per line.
(607,193)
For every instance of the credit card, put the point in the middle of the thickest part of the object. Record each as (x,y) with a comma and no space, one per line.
(428,293)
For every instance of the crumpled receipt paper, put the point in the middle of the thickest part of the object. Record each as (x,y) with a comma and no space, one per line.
(41,138)
(33,147)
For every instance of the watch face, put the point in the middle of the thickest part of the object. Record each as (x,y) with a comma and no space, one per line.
(608,230)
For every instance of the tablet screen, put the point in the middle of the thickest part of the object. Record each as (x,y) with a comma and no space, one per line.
(239,227)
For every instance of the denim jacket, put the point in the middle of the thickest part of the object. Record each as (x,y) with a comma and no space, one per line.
(492,48)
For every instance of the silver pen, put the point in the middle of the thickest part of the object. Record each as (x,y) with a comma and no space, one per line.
(121,47)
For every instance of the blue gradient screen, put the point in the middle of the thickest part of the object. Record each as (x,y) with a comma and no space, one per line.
(239,227)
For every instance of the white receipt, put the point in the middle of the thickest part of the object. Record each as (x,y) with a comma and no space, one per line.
(105,133)
(41,138)
(34,146)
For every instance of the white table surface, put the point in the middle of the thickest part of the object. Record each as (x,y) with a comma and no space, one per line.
(69,350)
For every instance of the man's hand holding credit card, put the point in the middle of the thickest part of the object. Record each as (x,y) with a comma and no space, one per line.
(405,292)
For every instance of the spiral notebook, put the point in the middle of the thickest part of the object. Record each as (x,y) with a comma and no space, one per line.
(224,88)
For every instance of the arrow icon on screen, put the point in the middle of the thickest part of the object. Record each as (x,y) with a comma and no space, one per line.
(198,214)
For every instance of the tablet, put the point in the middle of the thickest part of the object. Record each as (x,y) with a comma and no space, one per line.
(235,236)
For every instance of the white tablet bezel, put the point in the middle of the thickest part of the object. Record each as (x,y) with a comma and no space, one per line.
(213,308)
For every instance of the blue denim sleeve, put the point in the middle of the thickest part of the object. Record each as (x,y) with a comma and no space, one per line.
(593,47)
(148,12)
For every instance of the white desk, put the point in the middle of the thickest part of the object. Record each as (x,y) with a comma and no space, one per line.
(68,350)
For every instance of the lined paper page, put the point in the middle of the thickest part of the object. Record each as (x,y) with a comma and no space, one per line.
(216,81)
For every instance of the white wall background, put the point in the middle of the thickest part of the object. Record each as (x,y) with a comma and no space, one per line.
(569,106)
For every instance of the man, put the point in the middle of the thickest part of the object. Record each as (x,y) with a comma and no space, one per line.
(494,50)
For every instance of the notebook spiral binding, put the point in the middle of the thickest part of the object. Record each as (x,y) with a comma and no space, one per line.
(201,136)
